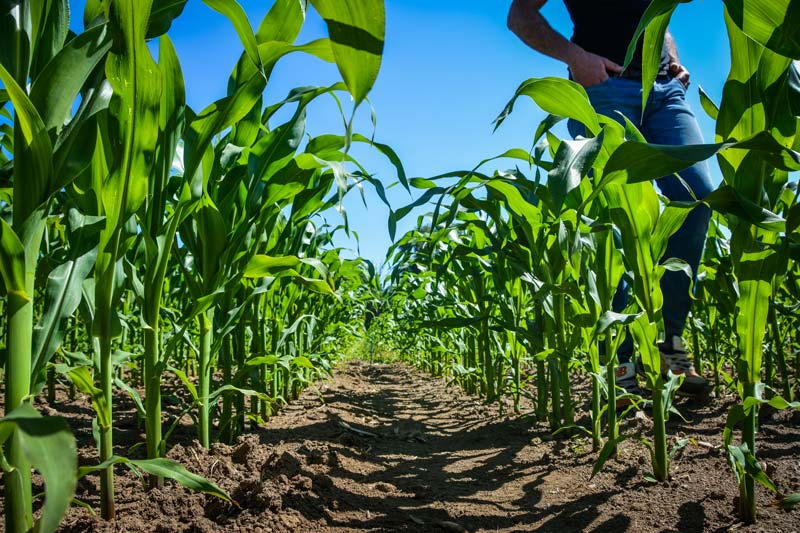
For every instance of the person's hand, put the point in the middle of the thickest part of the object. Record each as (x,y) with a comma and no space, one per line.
(590,69)
(676,70)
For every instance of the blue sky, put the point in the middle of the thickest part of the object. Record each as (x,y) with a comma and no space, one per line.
(449,67)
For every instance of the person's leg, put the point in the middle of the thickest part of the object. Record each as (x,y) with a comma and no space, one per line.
(610,98)
(613,96)
(669,120)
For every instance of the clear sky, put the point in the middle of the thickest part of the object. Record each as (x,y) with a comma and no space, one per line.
(449,67)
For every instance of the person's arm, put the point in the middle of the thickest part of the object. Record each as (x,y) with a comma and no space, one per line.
(676,70)
(527,23)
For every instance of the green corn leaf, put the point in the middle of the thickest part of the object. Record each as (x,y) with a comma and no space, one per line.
(678,446)
(302,362)
(635,211)
(264,265)
(645,334)
(274,150)
(518,204)
(572,162)
(71,159)
(448,323)
(711,109)
(773,24)
(283,22)
(610,318)
(50,447)
(62,298)
(187,383)
(556,96)
(656,9)
(605,453)
(212,120)
(789,501)
(173,470)
(753,469)
(93,12)
(237,16)
(212,233)
(162,14)
(163,467)
(727,200)
(609,267)
(12,263)
(669,221)
(82,379)
(651,51)
(33,162)
(337,142)
(15,47)
(136,80)
(50,28)
(231,388)
(271,52)
(634,162)
(262,360)
(357,29)
(735,416)
(134,396)
(754,271)
(53,92)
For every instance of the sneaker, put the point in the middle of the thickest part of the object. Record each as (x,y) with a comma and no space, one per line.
(674,358)
(625,377)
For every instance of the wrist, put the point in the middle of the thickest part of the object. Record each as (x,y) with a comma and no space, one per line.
(574,54)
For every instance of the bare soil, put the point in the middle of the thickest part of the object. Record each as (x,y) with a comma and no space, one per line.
(387,448)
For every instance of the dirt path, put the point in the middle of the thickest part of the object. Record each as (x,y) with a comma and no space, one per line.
(393,450)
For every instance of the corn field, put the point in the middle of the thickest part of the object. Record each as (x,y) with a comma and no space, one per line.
(144,242)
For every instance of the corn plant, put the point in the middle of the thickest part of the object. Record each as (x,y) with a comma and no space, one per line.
(43,73)
(760,103)
(128,202)
(47,444)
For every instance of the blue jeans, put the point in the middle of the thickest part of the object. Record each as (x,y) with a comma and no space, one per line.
(667,119)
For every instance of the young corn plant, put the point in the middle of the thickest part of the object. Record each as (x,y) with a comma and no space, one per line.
(42,72)
(122,168)
(760,109)
(769,105)
(158,233)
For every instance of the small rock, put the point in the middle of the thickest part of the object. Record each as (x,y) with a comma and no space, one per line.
(287,463)
(241,453)
(303,483)
(770,469)
(322,483)
(384,487)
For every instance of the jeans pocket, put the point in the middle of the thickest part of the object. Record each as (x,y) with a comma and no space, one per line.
(683,88)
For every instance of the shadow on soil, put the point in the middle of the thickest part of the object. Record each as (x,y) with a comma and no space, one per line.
(439,463)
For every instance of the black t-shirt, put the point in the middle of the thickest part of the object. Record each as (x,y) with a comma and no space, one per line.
(605,27)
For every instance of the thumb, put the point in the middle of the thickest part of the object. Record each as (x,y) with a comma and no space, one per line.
(610,65)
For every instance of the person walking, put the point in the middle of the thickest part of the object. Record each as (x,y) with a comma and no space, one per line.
(594,56)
